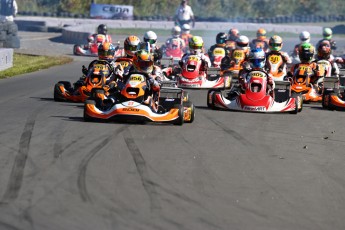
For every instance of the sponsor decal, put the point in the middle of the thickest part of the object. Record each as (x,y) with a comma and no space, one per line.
(110,11)
(254,108)
(130,110)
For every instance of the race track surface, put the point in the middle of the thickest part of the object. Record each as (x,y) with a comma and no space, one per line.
(226,170)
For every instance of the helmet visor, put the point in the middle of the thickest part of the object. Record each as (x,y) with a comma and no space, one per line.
(258,62)
(151,41)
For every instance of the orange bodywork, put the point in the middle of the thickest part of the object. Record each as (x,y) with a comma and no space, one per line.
(301,83)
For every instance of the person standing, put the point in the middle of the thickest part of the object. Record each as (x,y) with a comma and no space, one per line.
(184,14)
(8,10)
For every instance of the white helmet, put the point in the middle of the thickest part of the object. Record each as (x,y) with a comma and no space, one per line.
(150,37)
(186,28)
(304,36)
(176,31)
(242,42)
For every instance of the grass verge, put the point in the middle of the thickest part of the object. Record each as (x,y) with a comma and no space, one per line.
(26,63)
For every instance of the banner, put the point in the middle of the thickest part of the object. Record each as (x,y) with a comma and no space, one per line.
(111,11)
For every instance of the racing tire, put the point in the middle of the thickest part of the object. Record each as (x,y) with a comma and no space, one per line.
(300,103)
(75,50)
(57,92)
(67,85)
(86,117)
(192,107)
(209,98)
(180,119)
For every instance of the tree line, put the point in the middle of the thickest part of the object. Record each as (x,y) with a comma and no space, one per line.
(202,8)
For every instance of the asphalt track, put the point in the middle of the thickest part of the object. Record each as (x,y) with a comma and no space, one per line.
(227,170)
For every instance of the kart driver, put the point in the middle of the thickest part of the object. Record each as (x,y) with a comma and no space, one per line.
(196,47)
(220,43)
(260,41)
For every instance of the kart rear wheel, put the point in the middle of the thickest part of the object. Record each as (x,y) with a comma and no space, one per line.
(209,98)
(190,105)
(185,96)
(180,119)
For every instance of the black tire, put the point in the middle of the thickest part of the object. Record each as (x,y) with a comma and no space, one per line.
(209,99)
(75,49)
(325,101)
(87,118)
(180,119)
(12,41)
(67,85)
(300,101)
(190,105)
(57,92)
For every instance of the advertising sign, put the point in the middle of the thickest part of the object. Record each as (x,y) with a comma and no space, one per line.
(111,11)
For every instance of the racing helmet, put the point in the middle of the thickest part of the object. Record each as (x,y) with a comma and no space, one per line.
(324,50)
(176,31)
(275,43)
(150,37)
(327,33)
(185,28)
(304,36)
(143,61)
(196,44)
(91,39)
(102,29)
(242,42)
(221,39)
(233,34)
(261,34)
(257,58)
(106,51)
(306,52)
(131,45)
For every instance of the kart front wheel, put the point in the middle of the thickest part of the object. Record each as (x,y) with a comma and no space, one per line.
(180,119)
(87,118)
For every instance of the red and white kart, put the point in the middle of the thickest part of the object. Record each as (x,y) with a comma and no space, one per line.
(173,50)
(193,76)
(255,97)
(91,48)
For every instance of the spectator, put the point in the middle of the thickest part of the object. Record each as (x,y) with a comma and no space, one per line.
(8,10)
(184,14)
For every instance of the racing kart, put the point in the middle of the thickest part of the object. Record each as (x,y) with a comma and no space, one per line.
(133,102)
(191,75)
(255,97)
(81,90)
(173,50)
(301,84)
(334,95)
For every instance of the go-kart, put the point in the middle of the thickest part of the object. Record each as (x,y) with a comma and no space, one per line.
(301,84)
(191,75)
(134,102)
(91,48)
(96,78)
(255,97)
(334,96)
(173,50)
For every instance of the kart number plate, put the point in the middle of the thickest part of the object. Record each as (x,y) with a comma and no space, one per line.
(274,59)
(136,78)
(238,54)
(219,52)
(193,58)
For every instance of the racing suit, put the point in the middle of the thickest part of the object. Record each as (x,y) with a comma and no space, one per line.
(286,60)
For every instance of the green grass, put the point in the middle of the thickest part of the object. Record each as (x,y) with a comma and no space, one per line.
(24,63)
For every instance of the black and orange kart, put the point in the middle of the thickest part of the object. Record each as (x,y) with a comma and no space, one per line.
(334,94)
(301,84)
(81,90)
(136,103)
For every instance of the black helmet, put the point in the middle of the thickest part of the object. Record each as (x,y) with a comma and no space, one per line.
(221,38)
(102,29)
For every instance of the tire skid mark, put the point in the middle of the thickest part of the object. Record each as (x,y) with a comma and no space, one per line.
(83,167)
(229,131)
(148,184)
(81,181)
(17,173)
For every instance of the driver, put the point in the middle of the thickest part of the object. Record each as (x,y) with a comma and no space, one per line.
(196,47)
(257,61)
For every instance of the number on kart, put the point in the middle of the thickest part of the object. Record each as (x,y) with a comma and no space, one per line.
(274,59)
